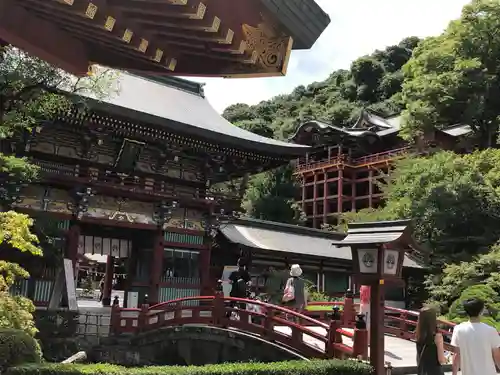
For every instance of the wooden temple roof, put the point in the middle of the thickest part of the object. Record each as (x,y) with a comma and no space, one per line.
(370,127)
(179,107)
(229,38)
(292,239)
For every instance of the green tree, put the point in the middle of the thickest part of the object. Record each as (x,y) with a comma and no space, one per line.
(488,295)
(454,77)
(31,92)
(453,200)
(450,284)
(257,126)
(271,196)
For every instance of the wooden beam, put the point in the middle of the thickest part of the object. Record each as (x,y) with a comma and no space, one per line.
(113,22)
(42,39)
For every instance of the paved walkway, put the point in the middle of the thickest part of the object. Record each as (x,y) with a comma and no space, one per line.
(400,353)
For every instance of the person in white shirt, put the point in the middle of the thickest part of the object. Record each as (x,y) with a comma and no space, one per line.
(476,346)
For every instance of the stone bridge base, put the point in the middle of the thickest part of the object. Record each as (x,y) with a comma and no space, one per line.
(190,345)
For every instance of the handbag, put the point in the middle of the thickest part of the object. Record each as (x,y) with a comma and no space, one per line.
(289,292)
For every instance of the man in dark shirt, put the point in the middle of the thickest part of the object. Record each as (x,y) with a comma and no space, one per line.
(239,281)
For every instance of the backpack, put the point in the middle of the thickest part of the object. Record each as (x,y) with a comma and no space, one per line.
(289,292)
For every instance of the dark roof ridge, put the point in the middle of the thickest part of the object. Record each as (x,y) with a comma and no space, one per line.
(175,82)
(454,126)
(322,127)
(291,228)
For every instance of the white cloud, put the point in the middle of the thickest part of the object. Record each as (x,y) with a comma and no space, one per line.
(357,28)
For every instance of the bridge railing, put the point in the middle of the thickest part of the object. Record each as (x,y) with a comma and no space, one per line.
(292,329)
(398,322)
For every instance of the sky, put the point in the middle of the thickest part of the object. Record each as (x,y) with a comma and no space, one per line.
(357,28)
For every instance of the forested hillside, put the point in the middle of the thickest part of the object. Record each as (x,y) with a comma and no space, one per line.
(373,81)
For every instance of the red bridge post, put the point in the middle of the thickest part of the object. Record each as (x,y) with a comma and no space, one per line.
(219,316)
(143,317)
(360,343)
(348,313)
(115,319)
(333,337)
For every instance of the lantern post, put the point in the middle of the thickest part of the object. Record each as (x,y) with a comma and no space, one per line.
(378,251)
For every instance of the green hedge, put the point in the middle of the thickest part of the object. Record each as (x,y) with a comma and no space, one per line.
(327,367)
(17,347)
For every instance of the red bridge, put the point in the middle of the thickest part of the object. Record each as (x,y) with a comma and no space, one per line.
(311,334)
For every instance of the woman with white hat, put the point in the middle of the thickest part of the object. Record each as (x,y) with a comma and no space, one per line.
(294,295)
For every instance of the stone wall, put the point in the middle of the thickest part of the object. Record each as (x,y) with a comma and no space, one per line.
(189,345)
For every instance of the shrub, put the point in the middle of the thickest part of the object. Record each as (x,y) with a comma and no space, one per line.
(16,348)
(327,367)
(16,312)
(484,292)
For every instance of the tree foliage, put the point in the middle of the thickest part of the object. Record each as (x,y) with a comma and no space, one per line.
(447,287)
(454,78)
(271,196)
(32,93)
(454,200)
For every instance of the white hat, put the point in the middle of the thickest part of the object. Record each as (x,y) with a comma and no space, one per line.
(295,270)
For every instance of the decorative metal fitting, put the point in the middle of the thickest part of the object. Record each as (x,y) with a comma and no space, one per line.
(360,322)
(336,313)
(164,211)
(80,204)
(10,192)
(212,223)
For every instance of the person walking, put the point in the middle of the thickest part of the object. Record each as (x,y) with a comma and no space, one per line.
(101,289)
(295,294)
(476,345)
(364,305)
(430,344)
(275,281)
(239,280)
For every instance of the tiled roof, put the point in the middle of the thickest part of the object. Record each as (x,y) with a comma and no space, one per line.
(271,236)
(180,107)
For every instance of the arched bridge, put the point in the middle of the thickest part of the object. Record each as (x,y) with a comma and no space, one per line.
(287,334)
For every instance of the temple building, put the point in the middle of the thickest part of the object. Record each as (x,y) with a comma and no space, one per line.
(222,38)
(129,179)
(341,172)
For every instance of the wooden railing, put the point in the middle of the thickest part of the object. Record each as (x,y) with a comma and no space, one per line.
(304,334)
(398,322)
(382,156)
(358,162)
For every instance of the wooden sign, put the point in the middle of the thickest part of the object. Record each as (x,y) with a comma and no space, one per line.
(65,281)
(70,284)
